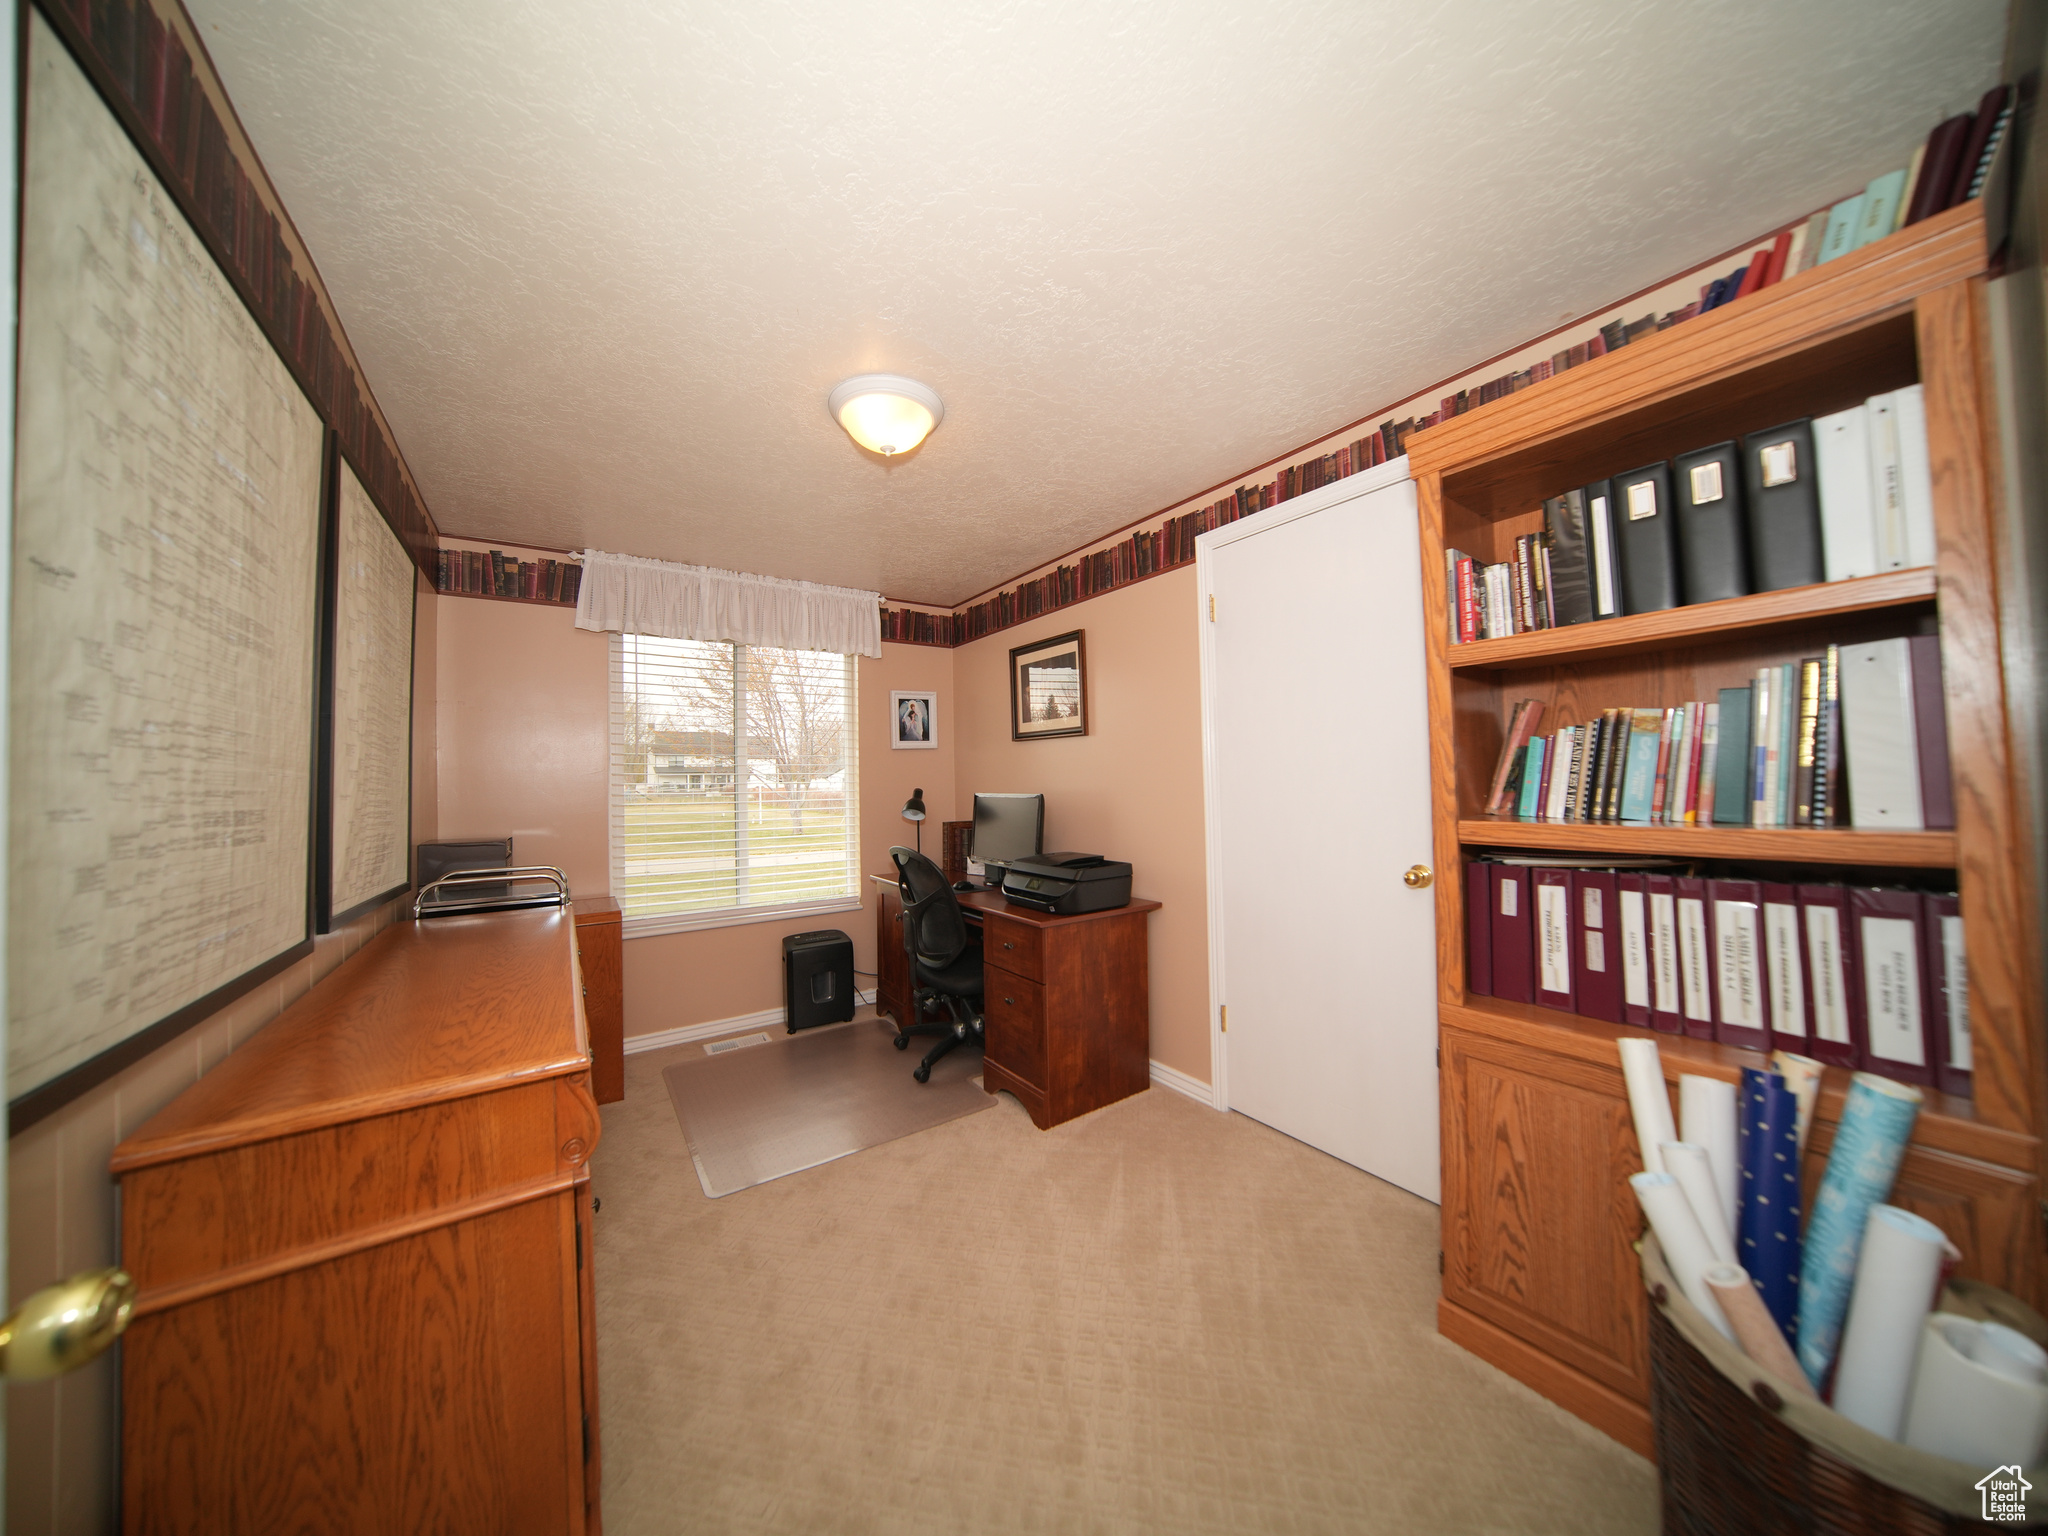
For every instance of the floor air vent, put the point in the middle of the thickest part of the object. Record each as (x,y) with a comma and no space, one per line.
(716,1047)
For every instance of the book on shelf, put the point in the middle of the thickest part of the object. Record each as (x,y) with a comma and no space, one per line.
(1872,978)
(493,573)
(1775,753)
(1844,495)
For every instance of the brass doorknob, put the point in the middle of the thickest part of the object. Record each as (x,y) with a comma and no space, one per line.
(1418,877)
(64,1325)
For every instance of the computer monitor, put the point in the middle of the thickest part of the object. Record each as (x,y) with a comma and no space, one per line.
(1007,828)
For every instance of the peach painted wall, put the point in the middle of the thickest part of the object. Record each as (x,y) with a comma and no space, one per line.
(523,724)
(1131,788)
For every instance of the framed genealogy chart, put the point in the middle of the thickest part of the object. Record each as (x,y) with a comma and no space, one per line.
(368,772)
(166,543)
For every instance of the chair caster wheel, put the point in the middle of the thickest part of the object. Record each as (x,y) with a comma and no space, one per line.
(902,1042)
(923,1074)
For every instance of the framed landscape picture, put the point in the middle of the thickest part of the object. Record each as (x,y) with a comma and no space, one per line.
(1049,688)
(913,720)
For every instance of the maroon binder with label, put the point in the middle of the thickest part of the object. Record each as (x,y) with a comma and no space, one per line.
(1930,733)
(1834,988)
(1513,936)
(1695,958)
(1948,994)
(1596,943)
(1478,929)
(1633,890)
(1891,943)
(1742,1005)
(1788,983)
(1550,921)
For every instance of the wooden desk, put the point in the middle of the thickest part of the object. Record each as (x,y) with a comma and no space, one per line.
(598,949)
(1067,1000)
(367,1291)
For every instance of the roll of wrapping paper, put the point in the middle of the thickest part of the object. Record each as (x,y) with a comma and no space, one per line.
(1686,1252)
(1877,1119)
(1968,1411)
(1802,1075)
(1767,1231)
(1755,1330)
(1896,1277)
(1643,1070)
(1686,1162)
(1706,1117)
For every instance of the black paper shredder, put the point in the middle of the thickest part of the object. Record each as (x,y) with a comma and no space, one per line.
(817,978)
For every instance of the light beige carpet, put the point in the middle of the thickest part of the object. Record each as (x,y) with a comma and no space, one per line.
(1156,1318)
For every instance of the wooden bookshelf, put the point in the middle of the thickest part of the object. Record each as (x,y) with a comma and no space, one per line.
(1780,845)
(1538,1220)
(1734,616)
(495,597)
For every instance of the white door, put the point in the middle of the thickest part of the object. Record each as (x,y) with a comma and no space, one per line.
(1317,745)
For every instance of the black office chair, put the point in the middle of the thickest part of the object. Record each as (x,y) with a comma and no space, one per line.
(944,959)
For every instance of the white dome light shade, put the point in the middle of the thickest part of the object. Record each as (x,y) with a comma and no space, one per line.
(886,413)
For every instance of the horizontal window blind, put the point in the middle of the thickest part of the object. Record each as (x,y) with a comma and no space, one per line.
(734,778)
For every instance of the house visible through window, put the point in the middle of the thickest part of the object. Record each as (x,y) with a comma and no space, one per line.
(734,783)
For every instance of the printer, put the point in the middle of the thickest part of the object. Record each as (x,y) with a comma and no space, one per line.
(1066,884)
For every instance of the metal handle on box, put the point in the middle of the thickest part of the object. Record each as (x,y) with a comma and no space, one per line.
(559,897)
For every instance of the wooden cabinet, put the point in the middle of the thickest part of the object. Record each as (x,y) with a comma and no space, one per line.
(600,953)
(1538,1142)
(366,1276)
(1066,1000)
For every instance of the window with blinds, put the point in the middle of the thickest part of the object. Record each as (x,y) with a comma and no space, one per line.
(734,788)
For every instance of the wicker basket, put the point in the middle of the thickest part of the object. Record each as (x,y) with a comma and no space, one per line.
(1739,1456)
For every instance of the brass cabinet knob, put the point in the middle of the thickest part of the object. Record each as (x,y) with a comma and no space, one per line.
(1418,877)
(64,1325)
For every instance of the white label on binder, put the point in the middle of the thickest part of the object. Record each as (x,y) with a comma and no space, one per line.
(1891,989)
(1781,951)
(1596,950)
(1507,897)
(1554,937)
(1956,977)
(1740,966)
(1635,951)
(1824,954)
(1692,946)
(1642,500)
(1779,463)
(1706,482)
(1603,561)
(1593,907)
(1664,952)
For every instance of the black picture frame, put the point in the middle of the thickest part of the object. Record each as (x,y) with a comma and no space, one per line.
(1049,706)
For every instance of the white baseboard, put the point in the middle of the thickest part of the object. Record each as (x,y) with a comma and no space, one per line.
(1164,1076)
(711,1029)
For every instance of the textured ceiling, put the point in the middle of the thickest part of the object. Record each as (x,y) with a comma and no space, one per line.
(603,259)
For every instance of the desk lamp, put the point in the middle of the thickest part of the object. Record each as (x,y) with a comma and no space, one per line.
(913,810)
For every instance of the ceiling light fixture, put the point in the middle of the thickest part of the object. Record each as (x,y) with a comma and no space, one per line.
(886,413)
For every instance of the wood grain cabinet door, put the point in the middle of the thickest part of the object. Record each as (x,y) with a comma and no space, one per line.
(1538,1216)
(1014,1019)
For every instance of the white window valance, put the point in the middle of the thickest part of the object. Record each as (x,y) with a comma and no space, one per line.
(636,596)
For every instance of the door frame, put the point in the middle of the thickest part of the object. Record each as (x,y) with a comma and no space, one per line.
(1321,499)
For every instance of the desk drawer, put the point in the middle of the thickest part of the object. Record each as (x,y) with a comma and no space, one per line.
(1013,946)
(1013,1016)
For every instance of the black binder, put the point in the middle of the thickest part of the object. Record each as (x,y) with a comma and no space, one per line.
(1783,497)
(1571,591)
(1646,538)
(1603,558)
(1713,541)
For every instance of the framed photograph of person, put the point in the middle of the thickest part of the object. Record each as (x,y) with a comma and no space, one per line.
(913,720)
(1049,688)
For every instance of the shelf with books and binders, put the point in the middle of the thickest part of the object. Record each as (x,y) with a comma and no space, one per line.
(1537,1137)
(1775,845)
(1759,613)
